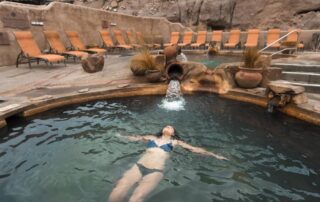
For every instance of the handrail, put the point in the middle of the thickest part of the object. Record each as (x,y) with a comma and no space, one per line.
(282,50)
(265,48)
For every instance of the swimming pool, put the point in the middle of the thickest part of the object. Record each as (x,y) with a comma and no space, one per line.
(77,153)
(212,61)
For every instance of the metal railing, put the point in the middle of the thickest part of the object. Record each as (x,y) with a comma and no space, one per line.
(276,41)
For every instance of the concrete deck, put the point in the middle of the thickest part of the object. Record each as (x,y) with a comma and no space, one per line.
(25,91)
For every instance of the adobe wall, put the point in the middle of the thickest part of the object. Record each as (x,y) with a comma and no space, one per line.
(87,21)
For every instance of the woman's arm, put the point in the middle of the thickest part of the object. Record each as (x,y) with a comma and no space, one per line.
(199,150)
(140,137)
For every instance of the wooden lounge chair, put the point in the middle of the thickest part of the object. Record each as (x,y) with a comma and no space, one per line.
(234,39)
(201,39)
(187,39)
(272,36)
(133,40)
(106,39)
(30,50)
(79,46)
(57,46)
(121,42)
(252,38)
(216,37)
(143,43)
(293,38)
(174,39)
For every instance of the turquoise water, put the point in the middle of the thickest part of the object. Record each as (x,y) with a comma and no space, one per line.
(212,61)
(77,153)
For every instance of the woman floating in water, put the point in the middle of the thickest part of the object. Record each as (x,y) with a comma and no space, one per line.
(148,171)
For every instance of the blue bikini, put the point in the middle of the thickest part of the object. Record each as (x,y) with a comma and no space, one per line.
(152,144)
(166,147)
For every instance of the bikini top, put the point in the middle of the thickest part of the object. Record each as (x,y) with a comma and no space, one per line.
(166,147)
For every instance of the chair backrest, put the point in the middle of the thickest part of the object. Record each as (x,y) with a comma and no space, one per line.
(119,37)
(253,36)
(234,36)
(293,37)
(216,36)
(187,37)
(106,38)
(75,40)
(273,35)
(27,43)
(140,38)
(54,41)
(174,37)
(131,37)
(202,36)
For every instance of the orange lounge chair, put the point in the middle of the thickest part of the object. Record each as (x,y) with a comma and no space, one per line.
(234,39)
(121,42)
(133,40)
(293,38)
(79,46)
(174,39)
(106,39)
(30,50)
(142,41)
(252,38)
(201,39)
(57,46)
(272,36)
(186,39)
(216,37)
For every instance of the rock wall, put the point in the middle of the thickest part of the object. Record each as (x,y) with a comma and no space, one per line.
(87,21)
(200,14)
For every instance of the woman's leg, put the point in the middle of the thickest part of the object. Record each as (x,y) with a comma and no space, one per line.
(146,185)
(129,178)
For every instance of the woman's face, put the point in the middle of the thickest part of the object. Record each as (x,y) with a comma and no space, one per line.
(168,130)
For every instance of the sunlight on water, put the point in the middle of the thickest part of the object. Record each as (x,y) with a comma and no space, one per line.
(173,100)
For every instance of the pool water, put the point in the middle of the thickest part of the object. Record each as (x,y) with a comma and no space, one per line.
(78,153)
(212,61)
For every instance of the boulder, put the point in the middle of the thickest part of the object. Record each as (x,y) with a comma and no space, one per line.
(93,63)
(281,88)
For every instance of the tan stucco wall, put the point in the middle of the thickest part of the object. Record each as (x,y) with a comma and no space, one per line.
(87,21)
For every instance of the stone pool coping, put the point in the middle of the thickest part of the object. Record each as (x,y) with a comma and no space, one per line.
(254,96)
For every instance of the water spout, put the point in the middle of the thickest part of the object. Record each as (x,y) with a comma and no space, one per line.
(173,100)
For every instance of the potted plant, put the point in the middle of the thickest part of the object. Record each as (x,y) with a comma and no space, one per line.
(145,64)
(250,75)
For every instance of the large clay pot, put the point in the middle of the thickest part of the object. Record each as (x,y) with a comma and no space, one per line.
(248,77)
(153,76)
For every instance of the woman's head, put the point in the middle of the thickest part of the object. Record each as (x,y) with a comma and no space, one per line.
(169,131)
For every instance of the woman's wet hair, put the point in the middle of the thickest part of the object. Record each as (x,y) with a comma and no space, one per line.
(176,135)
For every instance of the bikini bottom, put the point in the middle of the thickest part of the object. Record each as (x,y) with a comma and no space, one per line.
(145,171)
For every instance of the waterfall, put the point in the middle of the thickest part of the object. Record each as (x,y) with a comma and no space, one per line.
(173,100)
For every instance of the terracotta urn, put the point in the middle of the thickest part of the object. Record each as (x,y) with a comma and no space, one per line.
(153,76)
(248,77)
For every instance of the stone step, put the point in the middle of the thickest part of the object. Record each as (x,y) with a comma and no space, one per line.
(306,77)
(298,67)
(310,87)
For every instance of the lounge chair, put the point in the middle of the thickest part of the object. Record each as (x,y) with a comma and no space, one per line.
(187,39)
(174,39)
(106,39)
(121,42)
(234,39)
(79,46)
(201,39)
(293,38)
(252,38)
(31,51)
(272,36)
(216,37)
(133,40)
(143,43)
(57,46)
